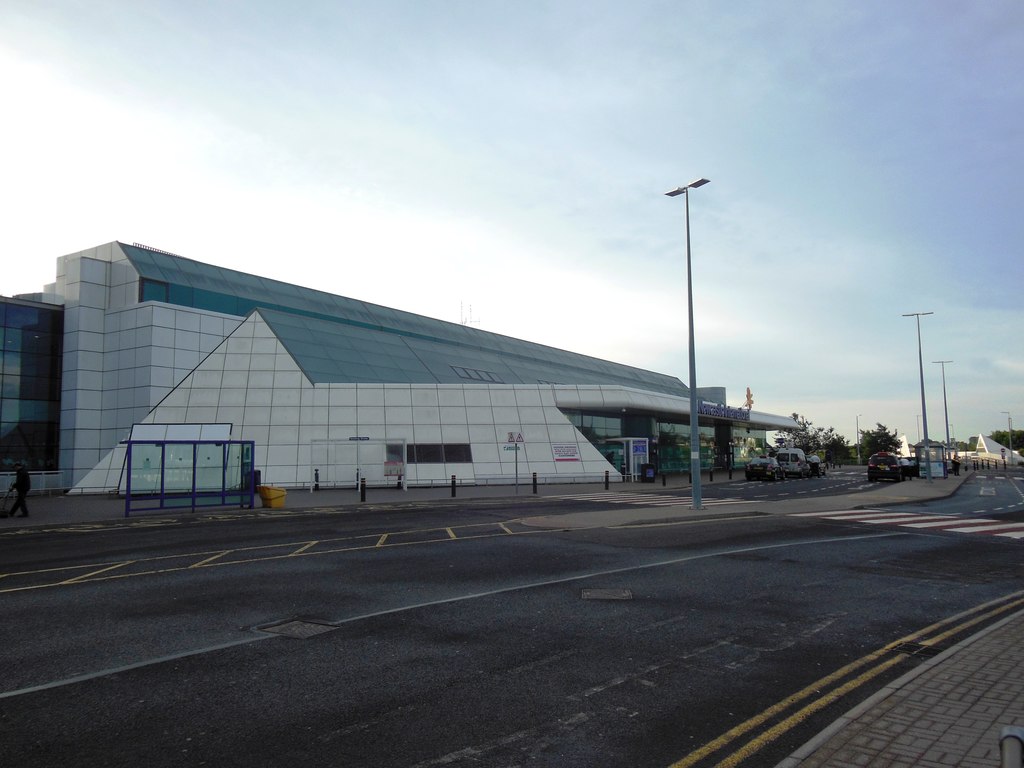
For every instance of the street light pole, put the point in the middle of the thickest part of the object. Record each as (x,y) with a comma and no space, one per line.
(924,409)
(858,437)
(945,409)
(694,419)
(1009,421)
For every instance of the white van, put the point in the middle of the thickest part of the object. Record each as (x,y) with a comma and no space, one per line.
(793,462)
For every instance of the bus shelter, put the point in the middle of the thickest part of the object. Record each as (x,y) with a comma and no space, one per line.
(933,455)
(189,474)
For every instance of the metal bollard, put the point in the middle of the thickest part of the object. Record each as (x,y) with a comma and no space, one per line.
(535,482)
(453,486)
(362,489)
(711,475)
(1011,746)
(606,479)
(662,479)
(730,473)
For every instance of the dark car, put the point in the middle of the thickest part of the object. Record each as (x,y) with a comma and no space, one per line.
(884,466)
(763,468)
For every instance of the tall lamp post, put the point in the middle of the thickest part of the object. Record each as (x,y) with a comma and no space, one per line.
(1009,421)
(694,425)
(945,409)
(924,409)
(858,437)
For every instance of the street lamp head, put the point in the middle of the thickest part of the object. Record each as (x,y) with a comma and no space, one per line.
(691,185)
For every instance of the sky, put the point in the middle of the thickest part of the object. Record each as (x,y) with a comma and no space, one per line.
(504,165)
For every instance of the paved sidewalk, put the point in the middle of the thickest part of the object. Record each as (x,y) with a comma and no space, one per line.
(949,711)
(60,509)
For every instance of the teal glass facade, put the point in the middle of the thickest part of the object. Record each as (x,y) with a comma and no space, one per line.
(670,440)
(30,376)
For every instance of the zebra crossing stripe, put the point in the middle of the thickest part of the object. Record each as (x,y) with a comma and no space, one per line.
(984,528)
(853,514)
(910,518)
(947,520)
(946,523)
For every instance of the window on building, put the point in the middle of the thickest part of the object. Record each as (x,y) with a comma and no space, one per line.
(439,453)
(152,290)
(30,374)
(472,374)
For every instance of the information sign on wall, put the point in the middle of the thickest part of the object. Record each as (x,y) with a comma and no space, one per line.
(565,452)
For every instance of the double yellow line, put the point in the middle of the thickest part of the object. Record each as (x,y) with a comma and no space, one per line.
(821,693)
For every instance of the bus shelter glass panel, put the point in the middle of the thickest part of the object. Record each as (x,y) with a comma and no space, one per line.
(238,467)
(175,474)
(178,467)
(147,468)
(210,466)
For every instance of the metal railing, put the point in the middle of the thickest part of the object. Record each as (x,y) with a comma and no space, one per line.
(42,482)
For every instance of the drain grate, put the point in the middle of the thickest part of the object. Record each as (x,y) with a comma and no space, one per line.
(606,594)
(298,629)
(917,649)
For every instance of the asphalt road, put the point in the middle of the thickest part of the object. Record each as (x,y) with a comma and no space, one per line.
(456,634)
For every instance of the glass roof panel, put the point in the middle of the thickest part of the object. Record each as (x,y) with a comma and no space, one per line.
(323,330)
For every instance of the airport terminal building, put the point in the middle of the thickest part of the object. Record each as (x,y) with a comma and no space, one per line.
(326,389)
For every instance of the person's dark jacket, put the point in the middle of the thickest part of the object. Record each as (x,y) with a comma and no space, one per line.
(22,482)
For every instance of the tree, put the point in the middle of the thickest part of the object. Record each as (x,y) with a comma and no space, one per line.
(802,437)
(879,440)
(811,439)
(1002,436)
(835,443)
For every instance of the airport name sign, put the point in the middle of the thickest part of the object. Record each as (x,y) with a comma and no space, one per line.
(722,411)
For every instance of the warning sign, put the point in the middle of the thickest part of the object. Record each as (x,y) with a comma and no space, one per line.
(515,437)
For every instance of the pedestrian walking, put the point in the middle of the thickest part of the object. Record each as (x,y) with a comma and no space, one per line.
(21,486)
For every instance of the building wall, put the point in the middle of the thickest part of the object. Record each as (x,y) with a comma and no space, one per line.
(251,382)
(120,357)
(127,362)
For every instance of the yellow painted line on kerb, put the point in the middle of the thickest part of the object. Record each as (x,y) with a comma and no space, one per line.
(811,690)
(766,738)
(985,612)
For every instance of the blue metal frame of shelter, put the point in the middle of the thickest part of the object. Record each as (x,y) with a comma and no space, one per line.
(187,474)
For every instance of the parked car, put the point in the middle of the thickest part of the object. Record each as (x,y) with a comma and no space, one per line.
(884,466)
(793,462)
(763,468)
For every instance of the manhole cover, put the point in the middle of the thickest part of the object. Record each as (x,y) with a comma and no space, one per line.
(607,594)
(298,629)
(917,649)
